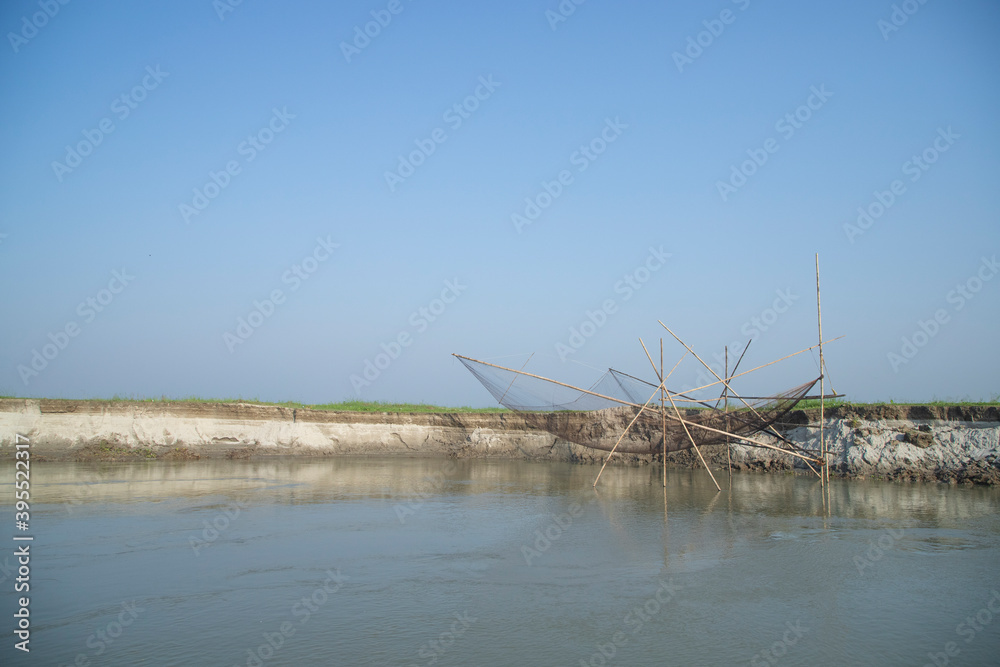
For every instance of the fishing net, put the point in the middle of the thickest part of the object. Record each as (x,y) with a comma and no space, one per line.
(597,417)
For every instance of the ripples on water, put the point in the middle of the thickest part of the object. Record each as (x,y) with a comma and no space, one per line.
(420,561)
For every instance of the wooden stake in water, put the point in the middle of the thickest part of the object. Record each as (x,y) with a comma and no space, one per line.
(825,477)
(691,438)
(663,411)
(725,398)
(663,417)
(622,436)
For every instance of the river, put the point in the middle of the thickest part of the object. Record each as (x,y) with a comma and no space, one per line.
(394,561)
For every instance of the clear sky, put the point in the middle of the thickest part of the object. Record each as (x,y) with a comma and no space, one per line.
(259,200)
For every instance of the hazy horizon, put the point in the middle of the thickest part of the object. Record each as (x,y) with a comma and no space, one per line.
(311,202)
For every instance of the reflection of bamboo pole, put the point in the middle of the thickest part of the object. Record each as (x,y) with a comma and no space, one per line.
(622,436)
(684,424)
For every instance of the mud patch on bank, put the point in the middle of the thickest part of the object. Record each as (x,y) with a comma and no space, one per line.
(111,452)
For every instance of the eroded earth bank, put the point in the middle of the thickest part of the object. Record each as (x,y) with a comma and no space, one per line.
(949,444)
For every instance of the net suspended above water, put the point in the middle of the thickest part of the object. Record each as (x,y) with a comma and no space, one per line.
(598,416)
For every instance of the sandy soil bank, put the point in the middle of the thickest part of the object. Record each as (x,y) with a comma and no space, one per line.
(953,444)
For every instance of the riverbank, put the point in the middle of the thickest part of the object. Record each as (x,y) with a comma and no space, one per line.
(959,444)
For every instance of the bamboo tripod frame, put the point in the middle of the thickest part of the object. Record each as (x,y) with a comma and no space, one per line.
(809,457)
(661,389)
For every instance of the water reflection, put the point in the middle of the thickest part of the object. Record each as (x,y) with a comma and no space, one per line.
(296,481)
(530,550)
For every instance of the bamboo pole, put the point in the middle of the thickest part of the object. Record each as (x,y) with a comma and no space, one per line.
(729,446)
(636,405)
(622,436)
(754,442)
(684,398)
(663,415)
(664,380)
(698,451)
(561,384)
(724,382)
(729,389)
(663,418)
(514,380)
(822,371)
(659,376)
(735,368)
(712,384)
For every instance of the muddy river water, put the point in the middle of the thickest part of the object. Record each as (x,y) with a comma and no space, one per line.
(397,561)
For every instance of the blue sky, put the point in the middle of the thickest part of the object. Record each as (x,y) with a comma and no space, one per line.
(486,179)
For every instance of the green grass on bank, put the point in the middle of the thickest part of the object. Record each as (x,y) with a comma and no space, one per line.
(814,403)
(343,406)
(385,406)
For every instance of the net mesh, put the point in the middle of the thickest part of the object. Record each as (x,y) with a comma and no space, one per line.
(598,416)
